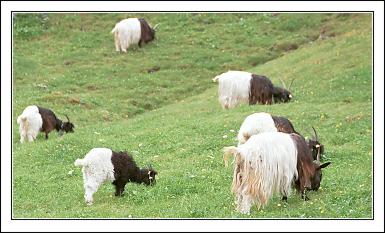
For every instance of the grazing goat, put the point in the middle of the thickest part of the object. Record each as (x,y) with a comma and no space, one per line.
(268,163)
(237,87)
(132,31)
(35,119)
(103,164)
(264,122)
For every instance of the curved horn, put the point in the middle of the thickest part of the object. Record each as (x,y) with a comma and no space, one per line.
(319,153)
(67,117)
(291,83)
(315,134)
(156,25)
(283,83)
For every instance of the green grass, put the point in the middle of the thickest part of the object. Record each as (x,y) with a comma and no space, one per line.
(172,119)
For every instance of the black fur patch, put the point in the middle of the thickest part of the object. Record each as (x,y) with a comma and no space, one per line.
(50,121)
(147,33)
(283,125)
(261,90)
(305,165)
(126,170)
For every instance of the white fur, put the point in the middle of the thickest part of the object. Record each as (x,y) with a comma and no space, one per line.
(265,164)
(254,124)
(97,168)
(30,123)
(127,32)
(234,88)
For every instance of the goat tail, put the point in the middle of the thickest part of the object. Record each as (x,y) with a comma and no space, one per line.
(21,118)
(216,78)
(80,162)
(23,122)
(231,150)
(115,29)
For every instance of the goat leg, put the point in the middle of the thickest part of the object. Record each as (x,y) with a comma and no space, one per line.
(304,197)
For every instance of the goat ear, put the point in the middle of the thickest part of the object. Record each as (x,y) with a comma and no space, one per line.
(324,165)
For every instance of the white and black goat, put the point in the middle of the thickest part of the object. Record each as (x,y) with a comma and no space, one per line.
(261,122)
(35,119)
(270,162)
(103,164)
(236,87)
(132,31)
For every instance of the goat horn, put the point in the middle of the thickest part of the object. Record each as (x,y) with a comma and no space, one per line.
(283,83)
(156,25)
(291,83)
(67,117)
(319,154)
(315,134)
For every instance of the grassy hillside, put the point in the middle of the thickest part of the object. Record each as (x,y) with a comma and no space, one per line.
(67,62)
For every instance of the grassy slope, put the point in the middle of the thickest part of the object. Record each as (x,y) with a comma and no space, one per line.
(183,140)
(69,63)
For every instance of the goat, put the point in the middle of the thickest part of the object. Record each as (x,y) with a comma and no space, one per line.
(35,119)
(237,87)
(270,162)
(103,164)
(264,122)
(132,31)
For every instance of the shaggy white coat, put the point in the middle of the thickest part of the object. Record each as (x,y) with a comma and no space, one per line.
(255,124)
(126,32)
(264,165)
(30,122)
(97,168)
(234,88)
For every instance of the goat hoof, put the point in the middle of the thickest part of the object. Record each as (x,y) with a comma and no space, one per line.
(89,203)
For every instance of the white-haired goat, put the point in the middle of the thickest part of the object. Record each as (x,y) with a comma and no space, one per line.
(268,163)
(132,31)
(236,87)
(35,119)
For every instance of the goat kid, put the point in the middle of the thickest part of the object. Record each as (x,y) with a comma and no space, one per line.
(103,164)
